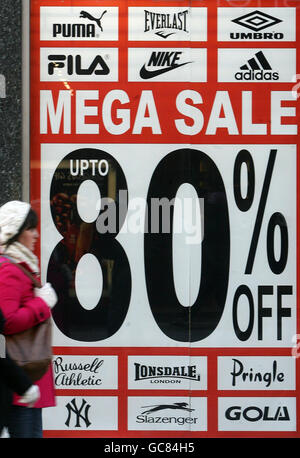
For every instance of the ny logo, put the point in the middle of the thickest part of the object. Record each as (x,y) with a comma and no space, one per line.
(81,414)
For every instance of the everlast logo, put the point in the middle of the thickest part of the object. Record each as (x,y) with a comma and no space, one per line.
(79,30)
(165,24)
(253,413)
(257,69)
(74,66)
(143,372)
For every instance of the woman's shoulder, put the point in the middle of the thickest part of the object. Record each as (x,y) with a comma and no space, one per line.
(8,266)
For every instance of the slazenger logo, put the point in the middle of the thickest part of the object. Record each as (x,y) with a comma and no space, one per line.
(166,60)
(143,372)
(253,413)
(74,65)
(79,30)
(165,24)
(147,416)
(257,21)
(257,69)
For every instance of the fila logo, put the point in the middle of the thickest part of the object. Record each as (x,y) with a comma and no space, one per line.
(74,66)
(257,69)
(167,60)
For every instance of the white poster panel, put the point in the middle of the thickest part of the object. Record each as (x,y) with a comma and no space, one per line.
(167,23)
(79,23)
(82,413)
(167,372)
(257,414)
(257,24)
(256,65)
(167,413)
(258,309)
(256,373)
(85,372)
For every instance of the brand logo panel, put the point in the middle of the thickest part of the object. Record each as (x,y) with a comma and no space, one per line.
(167,372)
(252,24)
(78,64)
(167,413)
(167,64)
(85,372)
(61,23)
(257,414)
(256,373)
(167,24)
(82,413)
(256,65)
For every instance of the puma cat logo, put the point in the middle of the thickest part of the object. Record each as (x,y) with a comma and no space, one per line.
(86,15)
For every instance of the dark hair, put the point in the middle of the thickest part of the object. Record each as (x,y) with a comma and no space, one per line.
(30,222)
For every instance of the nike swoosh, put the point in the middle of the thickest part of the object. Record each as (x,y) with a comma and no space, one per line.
(147,74)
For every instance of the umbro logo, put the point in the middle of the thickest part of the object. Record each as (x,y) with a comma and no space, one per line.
(165,60)
(257,21)
(257,68)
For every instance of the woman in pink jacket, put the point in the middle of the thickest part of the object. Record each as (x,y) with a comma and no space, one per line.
(22,305)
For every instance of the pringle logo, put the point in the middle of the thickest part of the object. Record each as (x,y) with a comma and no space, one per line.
(144,372)
(165,24)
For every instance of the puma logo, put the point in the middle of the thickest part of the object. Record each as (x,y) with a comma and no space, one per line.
(86,15)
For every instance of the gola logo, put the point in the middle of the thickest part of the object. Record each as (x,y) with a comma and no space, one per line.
(257,69)
(165,59)
(253,413)
(74,66)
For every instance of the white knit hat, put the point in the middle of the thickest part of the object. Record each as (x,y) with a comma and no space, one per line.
(12,217)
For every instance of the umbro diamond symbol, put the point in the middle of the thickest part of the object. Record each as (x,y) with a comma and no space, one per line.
(256,21)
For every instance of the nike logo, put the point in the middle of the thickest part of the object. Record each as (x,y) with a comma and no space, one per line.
(147,74)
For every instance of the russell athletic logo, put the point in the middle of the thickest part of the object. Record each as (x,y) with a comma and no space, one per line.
(257,69)
(166,60)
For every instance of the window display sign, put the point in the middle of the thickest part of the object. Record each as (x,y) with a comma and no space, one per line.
(165,170)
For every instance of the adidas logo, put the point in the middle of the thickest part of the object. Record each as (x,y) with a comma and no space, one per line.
(257,69)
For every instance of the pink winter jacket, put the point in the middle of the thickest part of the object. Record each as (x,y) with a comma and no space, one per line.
(21,311)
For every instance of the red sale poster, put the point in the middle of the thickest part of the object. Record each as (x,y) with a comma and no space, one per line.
(165,168)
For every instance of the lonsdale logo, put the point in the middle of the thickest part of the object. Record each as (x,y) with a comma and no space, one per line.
(166,60)
(143,372)
(165,24)
(257,69)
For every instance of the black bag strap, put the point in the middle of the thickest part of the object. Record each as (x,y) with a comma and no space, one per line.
(34,280)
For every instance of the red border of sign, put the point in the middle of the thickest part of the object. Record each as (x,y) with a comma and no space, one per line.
(212,393)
